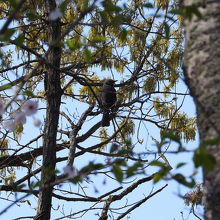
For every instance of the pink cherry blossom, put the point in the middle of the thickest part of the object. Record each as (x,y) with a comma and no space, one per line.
(9,125)
(19,117)
(70,171)
(58,2)
(29,107)
(37,122)
(189,196)
(54,15)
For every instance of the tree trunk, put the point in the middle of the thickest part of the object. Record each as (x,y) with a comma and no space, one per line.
(53,95)
(202,62)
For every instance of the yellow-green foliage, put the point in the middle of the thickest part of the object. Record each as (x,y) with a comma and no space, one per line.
(18,131)
(161,45)
(105,54)
(4,147)
(162,3)
(7,59)
(185,126)
(91,93)
(137,40)
(126,92)
(150,84)
(69,90)
(174,58)
(96,31)
(128,129)
(172,79)
(122,37)
(9,179)
(103,134)
(32,36)
(119,65)
(70,15)
(4,6)
(163,109)
(177,121)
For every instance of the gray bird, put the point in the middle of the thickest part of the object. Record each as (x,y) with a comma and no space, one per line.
(108,100)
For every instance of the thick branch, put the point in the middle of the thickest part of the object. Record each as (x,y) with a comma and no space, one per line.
(53,96)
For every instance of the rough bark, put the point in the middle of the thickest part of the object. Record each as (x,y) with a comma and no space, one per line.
(202,62)
(53,95)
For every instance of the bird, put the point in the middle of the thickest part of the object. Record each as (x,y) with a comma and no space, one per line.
(108,99)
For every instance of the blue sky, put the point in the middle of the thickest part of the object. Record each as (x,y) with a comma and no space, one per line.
(166,205)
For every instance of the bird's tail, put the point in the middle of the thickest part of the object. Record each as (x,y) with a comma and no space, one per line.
(105,119)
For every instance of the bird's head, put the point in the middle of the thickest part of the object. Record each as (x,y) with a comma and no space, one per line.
(110,82)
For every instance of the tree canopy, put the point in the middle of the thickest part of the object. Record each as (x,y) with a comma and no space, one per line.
(55,56)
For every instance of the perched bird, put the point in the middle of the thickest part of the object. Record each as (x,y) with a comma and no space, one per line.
(108,100)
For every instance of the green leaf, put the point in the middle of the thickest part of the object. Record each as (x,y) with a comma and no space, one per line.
(32,16)
(73,44)
(125,151)
(160,175)
(98,39)
(167,30)
(117,19)
(182,180)
(91,167)
(192,9)
(204,159)
(187,12)
(110,7)
(148,5)
(177,11)
(7,35)
(132,169)
(172,135)
(76,179)
(104,16)
(213,141)
(19,40)
(22,186)
(87,55)
(158,163)
(180,165)
(35,185)
(120,162)
(170,18)
(117,172)
(63,5)
(128,142)
(28,93)
(13,3)
(123,34)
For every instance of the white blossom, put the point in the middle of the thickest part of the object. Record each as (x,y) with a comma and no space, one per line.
(37,122)
(70,171)
(19,117)
(29,107)
(54,15)
(59,2)
(9,125)
(2,107)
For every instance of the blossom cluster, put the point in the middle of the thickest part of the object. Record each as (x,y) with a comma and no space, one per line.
(195,197)
(70,171)
(29,108)
(56,13)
